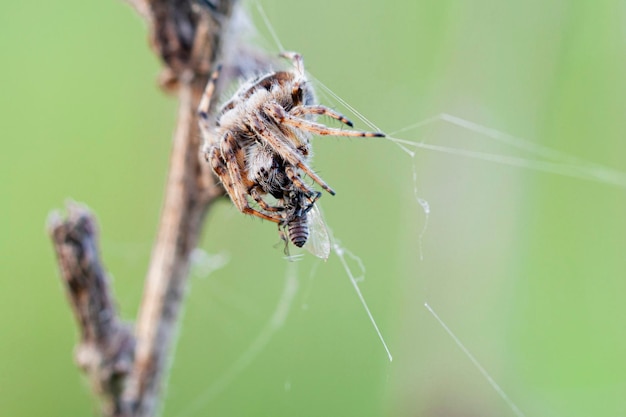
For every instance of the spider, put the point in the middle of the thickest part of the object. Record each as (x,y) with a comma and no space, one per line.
(259,144)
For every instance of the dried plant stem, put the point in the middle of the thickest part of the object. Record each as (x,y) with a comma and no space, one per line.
(105,350)
(181,222)
(127,370)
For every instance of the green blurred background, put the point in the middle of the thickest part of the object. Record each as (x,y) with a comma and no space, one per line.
(528,269)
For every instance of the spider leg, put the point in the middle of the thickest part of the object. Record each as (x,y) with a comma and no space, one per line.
(297,60)
(285,150)
(293,176)
(254,192)
(300,111)
(311,195)
(224,163)
(320,129)
(205,103)
(215,158)
(281,116)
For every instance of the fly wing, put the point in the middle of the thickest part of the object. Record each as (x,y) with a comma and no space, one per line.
(318,242)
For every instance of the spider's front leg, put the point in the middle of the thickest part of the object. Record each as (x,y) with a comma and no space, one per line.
(205,103)
(207,129)
(319,110)
(296,59)
(298,63)
(281,116)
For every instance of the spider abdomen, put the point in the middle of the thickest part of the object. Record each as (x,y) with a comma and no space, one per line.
(298,230)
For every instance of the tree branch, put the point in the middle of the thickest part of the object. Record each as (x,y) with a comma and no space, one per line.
(128,372)
(185,206)
(105,350)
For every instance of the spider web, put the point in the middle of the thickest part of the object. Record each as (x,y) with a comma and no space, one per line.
(527,155)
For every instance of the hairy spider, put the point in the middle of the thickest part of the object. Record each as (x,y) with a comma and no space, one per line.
(259,144)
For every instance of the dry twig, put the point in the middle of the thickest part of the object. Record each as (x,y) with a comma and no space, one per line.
(126,370)
(105,350)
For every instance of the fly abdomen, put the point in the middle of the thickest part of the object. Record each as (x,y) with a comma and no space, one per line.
(299,230)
